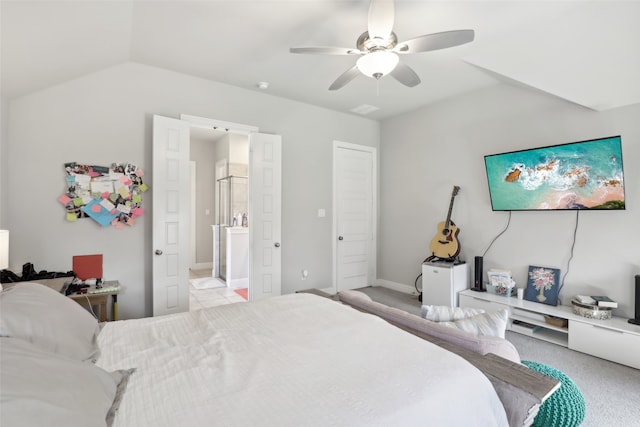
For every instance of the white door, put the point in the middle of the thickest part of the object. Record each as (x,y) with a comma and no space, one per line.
(170,215)
(354,215)
(265,211)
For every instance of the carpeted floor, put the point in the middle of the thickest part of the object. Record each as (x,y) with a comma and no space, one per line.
(393,298)
(611,390)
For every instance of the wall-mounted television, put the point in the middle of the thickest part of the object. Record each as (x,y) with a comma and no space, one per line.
(577,175)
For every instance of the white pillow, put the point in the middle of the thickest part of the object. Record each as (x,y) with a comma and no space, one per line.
(40,388)
(444,313)
(48,319)
(493,323)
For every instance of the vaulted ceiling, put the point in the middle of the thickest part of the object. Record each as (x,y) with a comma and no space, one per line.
(587,52)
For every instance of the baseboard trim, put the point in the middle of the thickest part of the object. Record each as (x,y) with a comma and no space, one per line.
(201,266)
(238,283)
(400,287)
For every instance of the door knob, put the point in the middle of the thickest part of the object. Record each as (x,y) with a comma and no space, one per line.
(158,252)
(276,244)
(340,238)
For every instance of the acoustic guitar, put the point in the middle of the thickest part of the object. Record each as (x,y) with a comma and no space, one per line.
(445,243)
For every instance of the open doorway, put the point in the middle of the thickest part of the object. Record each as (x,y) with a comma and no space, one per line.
(171,206)
(219,260)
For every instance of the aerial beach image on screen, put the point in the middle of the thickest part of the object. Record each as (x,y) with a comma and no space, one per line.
(581,175)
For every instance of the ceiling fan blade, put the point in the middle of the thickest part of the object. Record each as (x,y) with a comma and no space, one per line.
(325,50)
(435,41)
(345,78)
(381,17)
(405,75)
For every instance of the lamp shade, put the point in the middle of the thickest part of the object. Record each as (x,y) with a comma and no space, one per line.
(4,249)
(377,64)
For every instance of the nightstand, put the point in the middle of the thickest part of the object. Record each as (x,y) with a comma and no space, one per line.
(100,298)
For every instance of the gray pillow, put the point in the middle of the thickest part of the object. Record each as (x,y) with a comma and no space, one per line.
(492,323)
(40,388)
(49,320)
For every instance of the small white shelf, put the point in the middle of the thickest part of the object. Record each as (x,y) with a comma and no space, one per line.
(559,336)
(542,324)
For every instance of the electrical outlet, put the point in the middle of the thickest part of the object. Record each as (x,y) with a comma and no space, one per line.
(305,274)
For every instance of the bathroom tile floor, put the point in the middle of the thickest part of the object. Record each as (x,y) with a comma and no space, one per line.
(204,298)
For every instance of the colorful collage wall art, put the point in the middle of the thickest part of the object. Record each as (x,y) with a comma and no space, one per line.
(110,195)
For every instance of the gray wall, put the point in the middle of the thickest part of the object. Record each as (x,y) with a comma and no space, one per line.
(107,116)
(203,153)
(425,153)
(206,150)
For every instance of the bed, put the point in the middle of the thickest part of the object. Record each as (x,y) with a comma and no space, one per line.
(294,360)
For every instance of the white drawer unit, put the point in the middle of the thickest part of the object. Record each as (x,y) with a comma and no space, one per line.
(614,339)
(606,341)
(525,317)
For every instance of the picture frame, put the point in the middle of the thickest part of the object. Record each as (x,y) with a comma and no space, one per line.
(110,195)
(542,285)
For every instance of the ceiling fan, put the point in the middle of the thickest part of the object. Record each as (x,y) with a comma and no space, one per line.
(378,48)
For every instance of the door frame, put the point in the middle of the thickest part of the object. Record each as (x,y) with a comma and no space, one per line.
(189,122)
(341,145)
(193,265)
(251,132)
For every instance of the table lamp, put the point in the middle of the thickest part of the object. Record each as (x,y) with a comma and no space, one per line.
(4,251)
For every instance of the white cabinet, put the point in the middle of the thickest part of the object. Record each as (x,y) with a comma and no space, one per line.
(614,339)
(441,282)
(231,255)
(237,257)
(606,340)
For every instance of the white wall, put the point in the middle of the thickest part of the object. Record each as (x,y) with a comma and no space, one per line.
(238,149)
(425,153)
(4,138)
(107,117)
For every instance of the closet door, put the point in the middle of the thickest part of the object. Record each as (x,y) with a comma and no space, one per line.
(354,215)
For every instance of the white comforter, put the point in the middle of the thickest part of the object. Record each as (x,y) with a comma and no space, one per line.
(295,360)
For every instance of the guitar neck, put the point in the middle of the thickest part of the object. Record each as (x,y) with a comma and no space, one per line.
(448,221)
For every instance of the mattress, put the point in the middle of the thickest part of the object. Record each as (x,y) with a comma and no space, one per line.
(294,360)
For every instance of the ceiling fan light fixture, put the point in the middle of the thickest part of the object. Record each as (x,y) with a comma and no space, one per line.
(378,63)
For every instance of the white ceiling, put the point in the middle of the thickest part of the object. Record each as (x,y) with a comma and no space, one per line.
(587,52)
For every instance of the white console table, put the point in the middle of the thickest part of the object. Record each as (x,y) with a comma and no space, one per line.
(614,339)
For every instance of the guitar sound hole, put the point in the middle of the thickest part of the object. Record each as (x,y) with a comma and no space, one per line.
(445,231)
